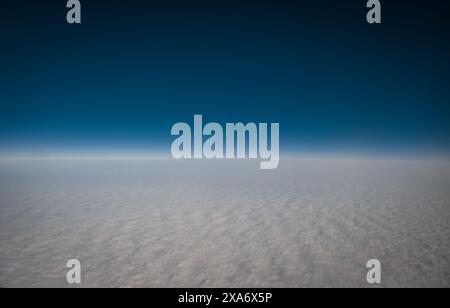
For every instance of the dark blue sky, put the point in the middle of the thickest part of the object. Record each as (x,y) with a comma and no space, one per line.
(119,81)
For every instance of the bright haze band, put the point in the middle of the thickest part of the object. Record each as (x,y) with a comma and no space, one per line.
(235,142)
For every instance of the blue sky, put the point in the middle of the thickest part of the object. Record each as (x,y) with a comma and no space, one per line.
(119,81)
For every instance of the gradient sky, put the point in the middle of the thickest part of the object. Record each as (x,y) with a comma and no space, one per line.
(132,69)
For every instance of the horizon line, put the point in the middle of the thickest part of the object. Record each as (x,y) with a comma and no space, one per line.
(286,156)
